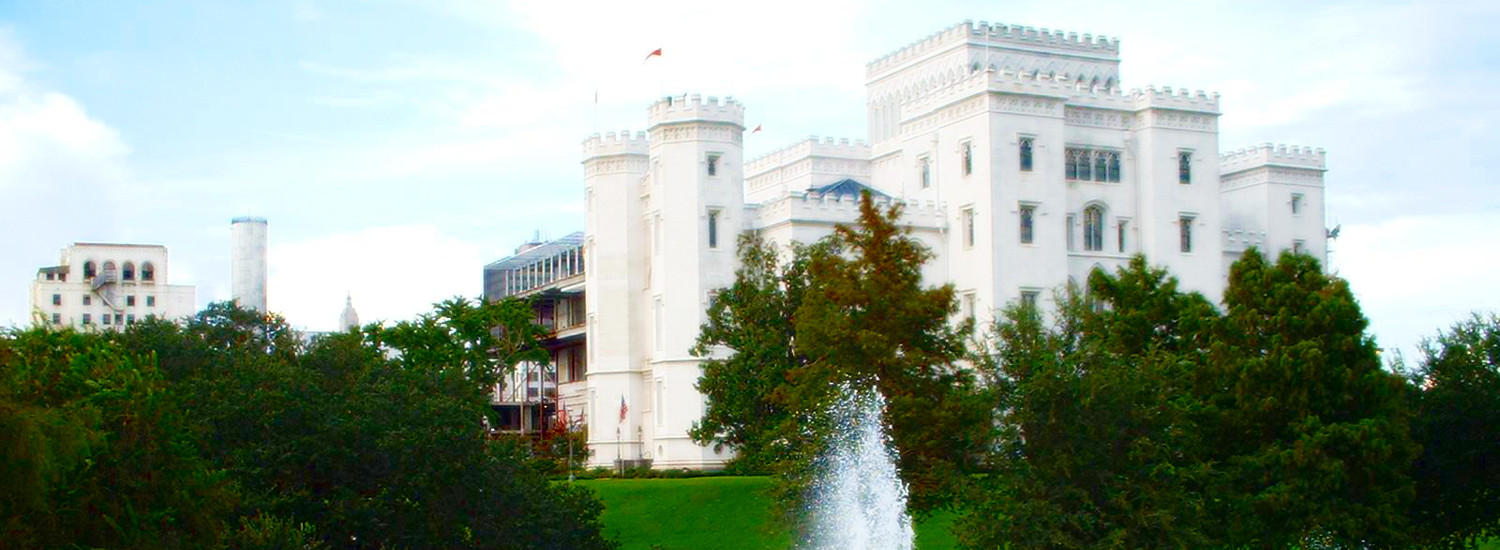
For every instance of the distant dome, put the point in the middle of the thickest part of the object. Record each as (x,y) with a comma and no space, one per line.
(349,319)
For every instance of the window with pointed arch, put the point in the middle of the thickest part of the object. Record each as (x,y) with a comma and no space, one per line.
(968,157)
(1093,228)
(1026,153)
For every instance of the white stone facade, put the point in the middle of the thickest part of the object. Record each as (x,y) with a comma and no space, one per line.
(247,262)
(1022,165)
(109,286)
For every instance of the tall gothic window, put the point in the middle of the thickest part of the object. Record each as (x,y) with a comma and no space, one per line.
(1026,144)
(1028,223)
(1185,229)
(713,164)
(1071,157)
(968,157)
(1093,228)
(968,227)
(1069,229)
(1114,167)
(1085,165)
(1120,238)
(926,172)
(1184,167)
(713,229)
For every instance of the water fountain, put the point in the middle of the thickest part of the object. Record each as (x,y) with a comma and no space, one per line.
(858,499)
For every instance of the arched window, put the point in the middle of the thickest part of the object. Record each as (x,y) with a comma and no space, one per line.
(148,272)
(1093,228)
(128,272)
(89,270)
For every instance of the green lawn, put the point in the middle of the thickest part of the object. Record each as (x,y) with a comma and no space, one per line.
(730,513)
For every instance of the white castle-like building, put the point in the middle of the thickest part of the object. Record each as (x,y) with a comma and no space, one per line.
(1020,161)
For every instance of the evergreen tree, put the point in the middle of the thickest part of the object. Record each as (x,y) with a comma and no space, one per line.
(1312,434)
(1456,391)
(867,320)
(1098,444)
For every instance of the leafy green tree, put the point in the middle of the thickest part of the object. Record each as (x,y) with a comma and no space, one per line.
(1098,444)
(375,437)
(1312,434)
(1456,390)
(95,454)
(867,320)
(753,320)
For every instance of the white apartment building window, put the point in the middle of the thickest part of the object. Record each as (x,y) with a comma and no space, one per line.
(130,301)
(967,154)
(968,222)
(1025,149)
(148,273)
(119,319)
(1299,246)
(57,318)
(88,300)
(713,164)
(1069,229)
(88,270)
(1093,229)
(1184,167)
(924,166)
(1092,165)
(1121,237)
(968,305)
(88,319)
(56,299)
(150,301)
(1029,297)
(1185,232)
(1296,204)
(105,319)
(713,228)
(1028,223)
(130,319)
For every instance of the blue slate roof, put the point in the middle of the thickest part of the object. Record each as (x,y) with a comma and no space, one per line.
(848,187)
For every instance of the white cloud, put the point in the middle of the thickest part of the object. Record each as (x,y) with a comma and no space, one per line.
(393,273)
(1415,275)
(62,176)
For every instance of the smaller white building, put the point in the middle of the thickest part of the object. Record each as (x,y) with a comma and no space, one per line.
(109,286)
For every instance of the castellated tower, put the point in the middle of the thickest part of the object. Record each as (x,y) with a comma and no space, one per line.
(614,167)
(694,212)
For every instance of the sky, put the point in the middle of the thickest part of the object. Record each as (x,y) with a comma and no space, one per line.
(397,146)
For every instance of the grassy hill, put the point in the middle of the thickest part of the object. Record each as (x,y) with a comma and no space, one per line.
(729,513)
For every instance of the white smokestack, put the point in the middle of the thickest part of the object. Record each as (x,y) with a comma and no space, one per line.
(247,238)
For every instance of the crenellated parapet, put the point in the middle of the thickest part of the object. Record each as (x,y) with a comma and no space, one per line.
(696,108)
(1268,154)
(834,208)
(1042,94)
(612,144)
(998,34)
(812,146)
(1180,99)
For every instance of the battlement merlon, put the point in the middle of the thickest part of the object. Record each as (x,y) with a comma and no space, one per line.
(1180,100)
(612,144)
(696,108)
(1018,37)
(1268,154)
(812,146)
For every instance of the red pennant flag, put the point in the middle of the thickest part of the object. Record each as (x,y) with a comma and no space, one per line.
(656,53)
(623,408)
(757,129)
